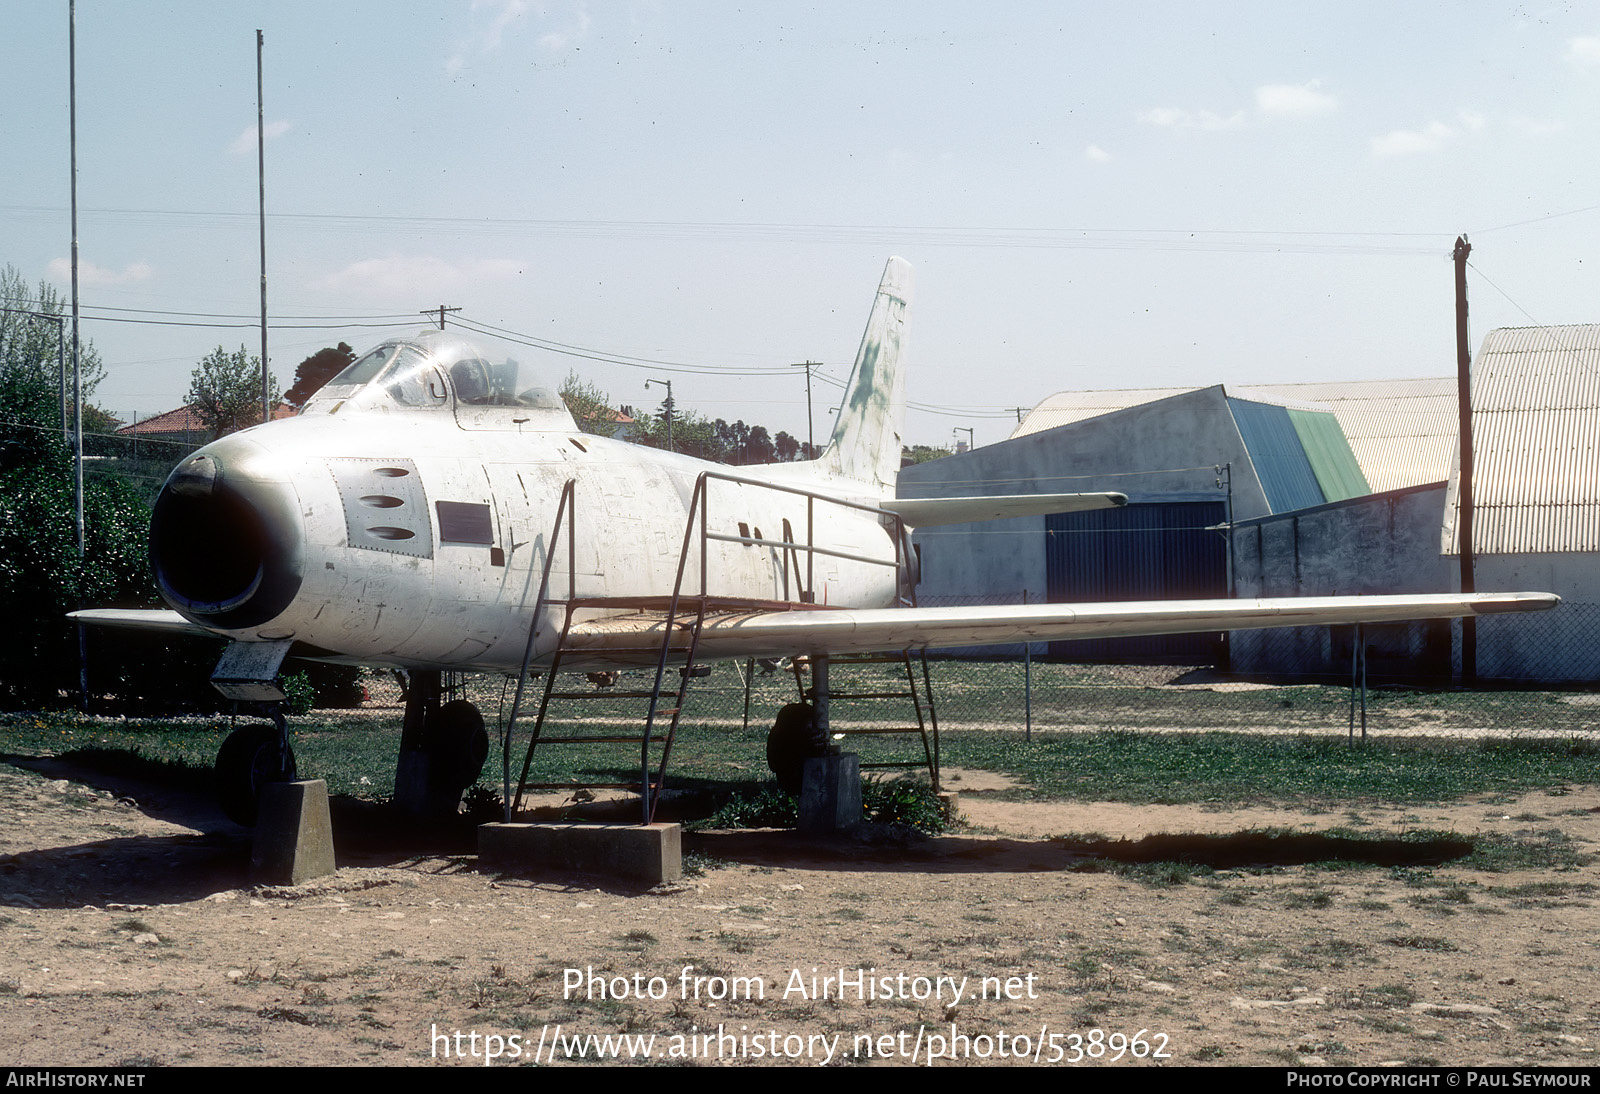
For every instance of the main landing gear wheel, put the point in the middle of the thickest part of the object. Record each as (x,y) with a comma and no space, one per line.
(793,740)
(460,746)
(250,758)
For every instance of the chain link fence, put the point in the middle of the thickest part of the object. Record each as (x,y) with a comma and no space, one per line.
(1538,674)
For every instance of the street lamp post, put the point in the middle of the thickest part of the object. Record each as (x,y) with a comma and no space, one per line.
(671,406)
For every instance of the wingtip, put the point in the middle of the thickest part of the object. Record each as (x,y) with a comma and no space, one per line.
(1517,602)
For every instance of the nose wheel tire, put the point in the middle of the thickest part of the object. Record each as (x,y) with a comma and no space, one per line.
(251,757)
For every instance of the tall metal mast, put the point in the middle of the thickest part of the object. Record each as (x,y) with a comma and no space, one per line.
(261,178)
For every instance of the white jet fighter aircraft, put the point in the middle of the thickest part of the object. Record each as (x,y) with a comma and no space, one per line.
(433,508)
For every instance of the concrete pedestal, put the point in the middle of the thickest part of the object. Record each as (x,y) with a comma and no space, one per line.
(650,852)
(294,833)
(830,795)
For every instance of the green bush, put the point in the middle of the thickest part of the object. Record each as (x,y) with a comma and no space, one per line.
(883,801)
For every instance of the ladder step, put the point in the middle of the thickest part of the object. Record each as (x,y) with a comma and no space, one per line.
(832,695)
(636,740)
(607,694)
(634,786)
(863,659)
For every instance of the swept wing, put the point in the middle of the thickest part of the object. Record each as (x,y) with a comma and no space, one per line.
(836,630)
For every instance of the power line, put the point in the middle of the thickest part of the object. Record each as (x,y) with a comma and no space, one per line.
(610,358)
(1255,241)
(1539,220)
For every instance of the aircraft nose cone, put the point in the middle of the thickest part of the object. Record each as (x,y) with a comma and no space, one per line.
(226,539)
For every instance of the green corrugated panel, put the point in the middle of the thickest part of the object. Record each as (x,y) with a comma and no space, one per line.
(1332,462)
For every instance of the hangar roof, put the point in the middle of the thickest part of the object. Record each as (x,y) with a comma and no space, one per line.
(1403,432)
(1536,442)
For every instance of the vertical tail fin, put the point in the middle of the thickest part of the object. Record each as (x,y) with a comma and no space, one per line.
(866,437)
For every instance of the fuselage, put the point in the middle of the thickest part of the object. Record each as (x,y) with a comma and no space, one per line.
(405,518)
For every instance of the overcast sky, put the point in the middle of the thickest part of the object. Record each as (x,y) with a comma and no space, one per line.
(1093,195)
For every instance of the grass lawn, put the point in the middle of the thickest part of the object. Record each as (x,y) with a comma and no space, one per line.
(1100,733)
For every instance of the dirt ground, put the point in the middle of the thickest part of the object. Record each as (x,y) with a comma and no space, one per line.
(132,936)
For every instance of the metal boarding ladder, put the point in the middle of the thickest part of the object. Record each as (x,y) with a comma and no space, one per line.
(927,727)
(683,619)
(649,782)
(922,705)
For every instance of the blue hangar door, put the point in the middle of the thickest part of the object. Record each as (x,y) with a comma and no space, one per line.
(1155,551)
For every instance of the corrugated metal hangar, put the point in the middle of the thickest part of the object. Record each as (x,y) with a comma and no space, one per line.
(1269,491)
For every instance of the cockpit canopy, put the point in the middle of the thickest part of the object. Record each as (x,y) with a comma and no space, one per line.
(438,370)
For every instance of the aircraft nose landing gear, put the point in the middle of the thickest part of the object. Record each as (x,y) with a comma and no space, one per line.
(252,756)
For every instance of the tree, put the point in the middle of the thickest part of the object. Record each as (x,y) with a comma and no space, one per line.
(590,407)
(41,575)
(315,371)
(922,453)
(758,446)
(225,391)
(34,341)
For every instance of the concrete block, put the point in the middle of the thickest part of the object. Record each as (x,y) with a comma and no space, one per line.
(649,852)
(830,794)
(294,833)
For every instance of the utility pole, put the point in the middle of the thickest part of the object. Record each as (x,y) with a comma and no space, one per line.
(1469,625)
(441,309)
(811,435)
(261,185)
(671,406)
(77,353)
(968,432)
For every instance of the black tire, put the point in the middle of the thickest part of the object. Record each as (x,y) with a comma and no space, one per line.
(460,746)
(246,762)
(793,740)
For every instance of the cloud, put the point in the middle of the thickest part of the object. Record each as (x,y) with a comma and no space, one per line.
(1272,102)
(60,269)
(503,13)
(506,12)
(1408,142)
(1584,51)
(561,39)
(245,142)
(400,275)
(1169,117)
(1294,100)
(1095,154)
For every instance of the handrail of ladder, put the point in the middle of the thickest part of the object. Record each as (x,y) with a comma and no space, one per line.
(697,504)
(700,504)
(789,543)
(566,507)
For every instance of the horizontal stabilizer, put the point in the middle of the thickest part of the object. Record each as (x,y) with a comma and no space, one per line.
(772,634)
(924,512)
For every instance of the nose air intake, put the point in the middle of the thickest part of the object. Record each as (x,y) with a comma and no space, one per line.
(225,537)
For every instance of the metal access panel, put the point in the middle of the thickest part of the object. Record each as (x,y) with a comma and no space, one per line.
(1149,551)
(385,506)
